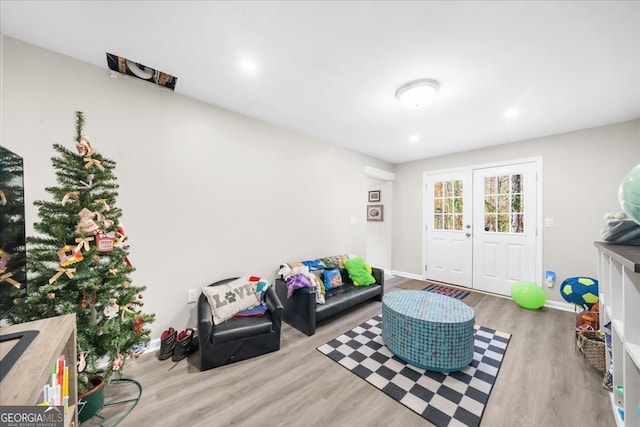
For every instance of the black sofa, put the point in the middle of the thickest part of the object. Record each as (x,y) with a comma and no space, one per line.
(302,312)
(238,338)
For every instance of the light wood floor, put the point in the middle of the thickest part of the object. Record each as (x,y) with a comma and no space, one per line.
(544,381)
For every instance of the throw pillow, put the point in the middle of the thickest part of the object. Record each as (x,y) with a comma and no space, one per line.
(332,279)
(230,298)
(358,271)
(316,264)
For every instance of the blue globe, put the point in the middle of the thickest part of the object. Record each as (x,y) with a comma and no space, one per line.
(629,194)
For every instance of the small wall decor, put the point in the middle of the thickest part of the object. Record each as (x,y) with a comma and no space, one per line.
(374,195)
(375,213)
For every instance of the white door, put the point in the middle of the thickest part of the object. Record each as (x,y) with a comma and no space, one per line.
(504,224)
(480,226)
(448,242)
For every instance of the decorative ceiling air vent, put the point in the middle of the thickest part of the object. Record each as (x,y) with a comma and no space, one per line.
(129,68)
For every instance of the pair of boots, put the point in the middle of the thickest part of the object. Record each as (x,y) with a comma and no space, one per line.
(176,345)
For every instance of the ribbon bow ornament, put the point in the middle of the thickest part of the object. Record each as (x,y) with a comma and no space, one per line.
(91,162)
(60,271)
(70,196)
(125,308)
(83,241)
(7,278)
(105,205)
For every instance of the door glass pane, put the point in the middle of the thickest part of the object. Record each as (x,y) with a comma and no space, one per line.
(490,223)
(490,204)
(503,184)
(437,205)
(504,203)
(437,189)
(517,224)
(447,205)
(457,222)
(448,222)
(457,188)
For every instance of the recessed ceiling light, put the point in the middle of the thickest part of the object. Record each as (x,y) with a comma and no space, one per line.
(418,93)
(511,112)
(248,66)
(414,138)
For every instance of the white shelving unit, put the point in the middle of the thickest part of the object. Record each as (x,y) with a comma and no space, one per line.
(619,283)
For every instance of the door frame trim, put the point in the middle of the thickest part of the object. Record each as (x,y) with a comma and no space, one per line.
(537,160)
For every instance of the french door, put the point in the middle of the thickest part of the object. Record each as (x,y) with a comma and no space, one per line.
(481,226)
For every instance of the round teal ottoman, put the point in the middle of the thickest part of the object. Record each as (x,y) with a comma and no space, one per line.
(428,330)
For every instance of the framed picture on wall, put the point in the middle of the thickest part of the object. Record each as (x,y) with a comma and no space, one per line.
(374,195)
(375,213)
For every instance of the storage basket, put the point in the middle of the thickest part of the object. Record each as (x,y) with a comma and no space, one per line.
(591,344)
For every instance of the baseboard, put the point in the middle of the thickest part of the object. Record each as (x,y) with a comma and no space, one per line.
(154,345)
(560,306)
(407,275)
(557,305)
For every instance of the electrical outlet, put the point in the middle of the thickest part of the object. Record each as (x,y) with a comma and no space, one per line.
(192,295)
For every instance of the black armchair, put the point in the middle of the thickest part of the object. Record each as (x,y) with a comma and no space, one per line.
(238,338)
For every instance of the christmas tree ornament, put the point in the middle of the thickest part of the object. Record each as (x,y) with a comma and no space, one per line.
(89,182)
(104,242)
(71,197)
(66,258)
(60,271)
(82,361)
(84,147)
(6,277)
(3,198)
(118,362)
(51,295)
(83,242)
(112,309)
(125,285)
(104,204)
(93,315)
(120,235)
(138,299)
(90,161)
(86,224)
(139,325)
(104,222)
(125,309)
(4,260)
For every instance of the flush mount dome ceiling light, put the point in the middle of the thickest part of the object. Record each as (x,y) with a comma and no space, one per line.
(418,93)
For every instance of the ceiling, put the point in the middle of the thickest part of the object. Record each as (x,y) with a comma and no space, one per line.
(330,69)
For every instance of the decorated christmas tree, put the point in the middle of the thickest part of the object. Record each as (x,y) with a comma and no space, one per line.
(78,263)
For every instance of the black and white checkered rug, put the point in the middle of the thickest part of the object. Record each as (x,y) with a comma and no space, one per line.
(444,399)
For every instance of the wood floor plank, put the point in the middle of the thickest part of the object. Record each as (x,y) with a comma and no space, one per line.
(543,381)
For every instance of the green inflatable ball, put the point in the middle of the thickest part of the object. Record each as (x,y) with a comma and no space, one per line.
(528,295)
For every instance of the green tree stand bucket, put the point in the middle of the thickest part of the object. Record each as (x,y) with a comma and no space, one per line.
(92,401)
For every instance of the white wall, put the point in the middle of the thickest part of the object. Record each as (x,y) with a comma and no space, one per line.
(206,193)
(581,174)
